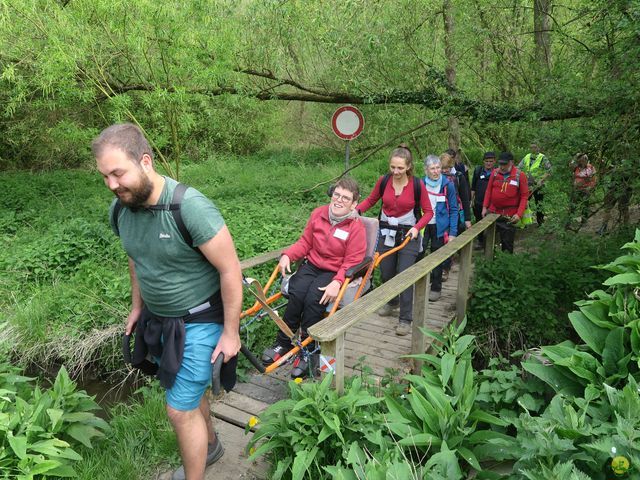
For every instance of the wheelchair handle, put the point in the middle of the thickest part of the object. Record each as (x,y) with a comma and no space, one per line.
(126,348)
(215,374)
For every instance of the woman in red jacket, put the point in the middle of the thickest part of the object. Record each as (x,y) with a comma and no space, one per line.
(333,241)
(406,210)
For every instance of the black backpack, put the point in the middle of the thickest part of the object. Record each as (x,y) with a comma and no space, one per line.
(173,207)
(417,211)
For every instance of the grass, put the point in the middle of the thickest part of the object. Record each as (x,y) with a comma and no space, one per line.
(140,445)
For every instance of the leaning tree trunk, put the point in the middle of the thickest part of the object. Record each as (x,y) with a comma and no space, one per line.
(542,33)
(450,70)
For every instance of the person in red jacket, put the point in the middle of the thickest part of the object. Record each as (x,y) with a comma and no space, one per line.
(506,195)
(406,210)
(333,241)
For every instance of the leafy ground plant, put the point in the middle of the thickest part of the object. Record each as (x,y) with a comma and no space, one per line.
(40,429)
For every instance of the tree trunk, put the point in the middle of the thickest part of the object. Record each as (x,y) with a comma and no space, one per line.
(542,35)
(450,71)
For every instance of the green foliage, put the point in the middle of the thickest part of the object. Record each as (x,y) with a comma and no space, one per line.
(316,427)
(502,386)
(546,280)
(40,429)
(609,326)
(141,439)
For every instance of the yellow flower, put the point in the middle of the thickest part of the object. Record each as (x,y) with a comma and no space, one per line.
(253,421)
(252,451)
(297,380)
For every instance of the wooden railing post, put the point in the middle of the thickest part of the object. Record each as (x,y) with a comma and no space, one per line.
(335,349)
(420,310)
(489,241)
(464,278)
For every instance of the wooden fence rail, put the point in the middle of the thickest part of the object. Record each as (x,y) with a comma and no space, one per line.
(331,331)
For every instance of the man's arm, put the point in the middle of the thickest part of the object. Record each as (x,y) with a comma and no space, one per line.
(137,304)
(221,253)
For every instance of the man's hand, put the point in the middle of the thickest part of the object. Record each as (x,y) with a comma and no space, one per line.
(467,223)
(228,345)
(452,237)
(284,265)
(484,212)
(413,233)
(132,320)
(514,218)
(330,292)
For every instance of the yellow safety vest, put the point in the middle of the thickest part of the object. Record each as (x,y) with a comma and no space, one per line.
(534,170)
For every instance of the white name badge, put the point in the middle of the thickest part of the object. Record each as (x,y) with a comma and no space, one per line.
(513,182)
(481,177)
(341,234)
(440,199)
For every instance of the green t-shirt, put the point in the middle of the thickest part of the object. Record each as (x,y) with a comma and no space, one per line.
(172,276)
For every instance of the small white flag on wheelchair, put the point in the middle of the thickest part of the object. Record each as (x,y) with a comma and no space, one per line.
(327,364)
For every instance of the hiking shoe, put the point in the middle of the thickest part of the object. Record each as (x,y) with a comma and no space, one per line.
(303,366)
(387,310)
(214,453)
(403,328)
(434,296)
(273,354)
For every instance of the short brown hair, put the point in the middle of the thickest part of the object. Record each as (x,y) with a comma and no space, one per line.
(125,136)
(447,161)
(402,151)
(349,184)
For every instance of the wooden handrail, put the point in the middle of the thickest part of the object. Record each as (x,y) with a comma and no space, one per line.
(331,327)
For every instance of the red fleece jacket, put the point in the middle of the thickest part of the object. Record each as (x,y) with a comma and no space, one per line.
(334,248)
(506,195)
(396,206)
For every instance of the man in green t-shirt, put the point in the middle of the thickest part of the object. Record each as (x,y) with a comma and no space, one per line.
(188,296)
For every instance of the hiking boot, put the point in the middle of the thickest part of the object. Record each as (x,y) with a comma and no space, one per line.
(403,328)
(303,366)
(273,354)
(387,310)
(434,296)
(214,453)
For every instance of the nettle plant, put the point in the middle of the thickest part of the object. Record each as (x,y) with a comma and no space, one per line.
(40,428)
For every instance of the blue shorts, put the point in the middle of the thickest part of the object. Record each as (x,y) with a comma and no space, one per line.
(194,375)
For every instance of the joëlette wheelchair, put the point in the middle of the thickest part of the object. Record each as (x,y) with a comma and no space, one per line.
(357,282)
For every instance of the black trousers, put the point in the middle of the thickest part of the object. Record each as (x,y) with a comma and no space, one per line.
(394,264)
(434,242)
(507,232)
(304,308)
(538,197)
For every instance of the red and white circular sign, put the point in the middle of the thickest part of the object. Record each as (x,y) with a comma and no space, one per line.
(347,122)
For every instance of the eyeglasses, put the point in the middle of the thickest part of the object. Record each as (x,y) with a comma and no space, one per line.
(336,196)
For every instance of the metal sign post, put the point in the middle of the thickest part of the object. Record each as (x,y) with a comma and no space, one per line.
(347,123)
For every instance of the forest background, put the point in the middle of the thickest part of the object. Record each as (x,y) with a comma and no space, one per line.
(236,98)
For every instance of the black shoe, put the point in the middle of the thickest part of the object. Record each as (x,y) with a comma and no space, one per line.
(302,366)
(273,354)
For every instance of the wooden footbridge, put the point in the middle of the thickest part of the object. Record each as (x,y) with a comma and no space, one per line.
(355,336)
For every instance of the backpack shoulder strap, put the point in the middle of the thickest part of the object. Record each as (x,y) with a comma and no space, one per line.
(176,202)
(417,193)
(114,216)
(174,207)
(383,183)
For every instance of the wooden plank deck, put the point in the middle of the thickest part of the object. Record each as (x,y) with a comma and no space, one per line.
(374,339)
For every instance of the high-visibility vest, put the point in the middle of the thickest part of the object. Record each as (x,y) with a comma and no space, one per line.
(534,170)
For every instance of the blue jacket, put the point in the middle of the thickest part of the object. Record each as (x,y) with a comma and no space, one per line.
(447,211)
